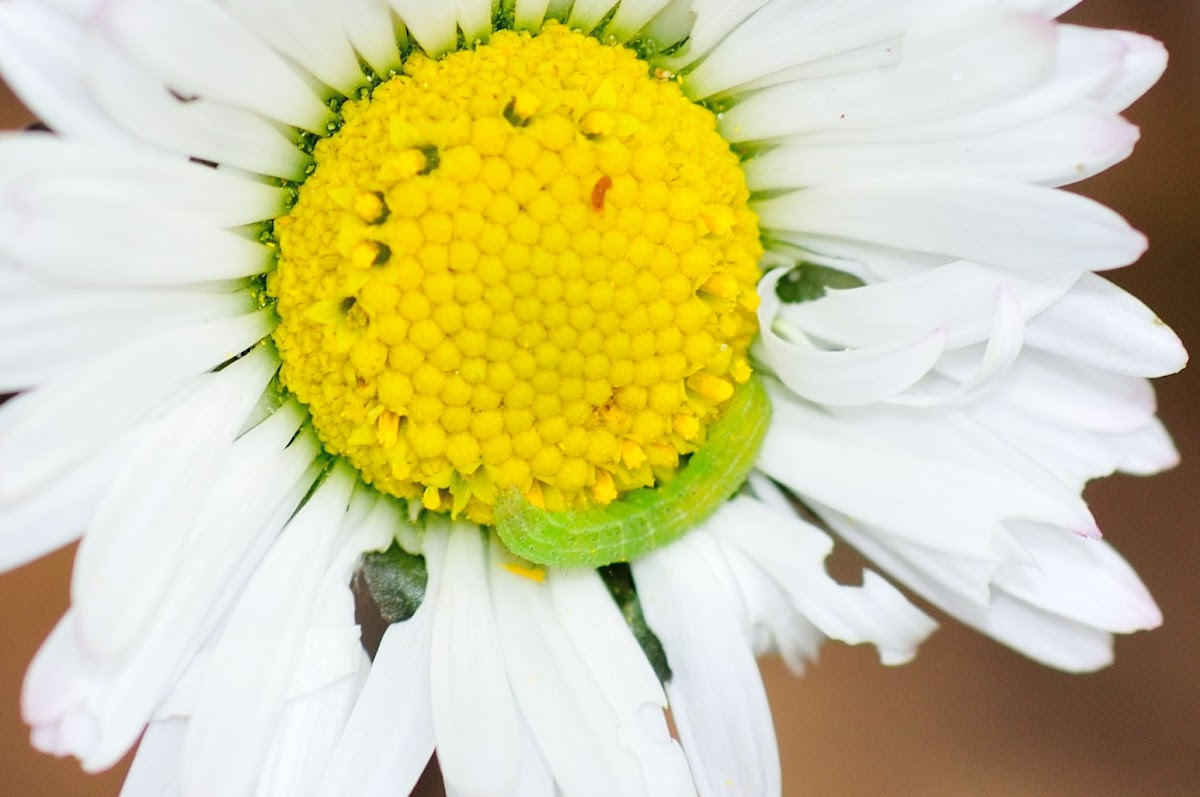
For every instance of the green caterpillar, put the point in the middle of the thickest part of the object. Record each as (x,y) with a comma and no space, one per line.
(651,517)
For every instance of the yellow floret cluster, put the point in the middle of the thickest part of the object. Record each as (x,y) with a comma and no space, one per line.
(530,265)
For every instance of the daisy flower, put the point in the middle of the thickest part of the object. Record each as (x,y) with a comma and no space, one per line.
(571,331)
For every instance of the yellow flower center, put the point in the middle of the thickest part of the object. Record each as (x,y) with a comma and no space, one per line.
(530,265)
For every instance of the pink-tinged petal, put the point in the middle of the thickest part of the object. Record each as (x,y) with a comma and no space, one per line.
(1142,63)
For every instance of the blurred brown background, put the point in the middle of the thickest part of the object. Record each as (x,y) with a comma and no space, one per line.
(967,718)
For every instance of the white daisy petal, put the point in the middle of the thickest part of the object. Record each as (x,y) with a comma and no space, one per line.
(169,41)
(536,780)
(714,20)
(960,297)
(155,768)
(307,732)
(1045,637)
(717,697)
(775,626)
(432,25)
(77,9)
(474,719)
(1146,452)
(952,501)
(190,126)
(780,35)
(1005,224)
(329,670)
(1085,60)
(1101,325)
(793,552)
(304,31)
(844,378)
(960,587)
(1055,150)
(851,378)
(262,637)
(1082,580)
(631,16)
(1051,8)
(123,529)
(41,56)
(587,14)
(220,198)
(46,329)
(229,478)
(475,19)
(370,28)
(948,69)
(56,680)
(389,736)
(971,369)
(116,240)
(36,524)
(115,699)
(1073,395)
(1074,454)
(85,408)
(1143,62)
(879,55)
(529,14)
(576,730)
(671,26)
(589,616)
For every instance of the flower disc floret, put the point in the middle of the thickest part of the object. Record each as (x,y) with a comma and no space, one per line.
(530,265)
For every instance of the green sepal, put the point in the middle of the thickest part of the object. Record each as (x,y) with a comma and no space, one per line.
(618,578)
(396,582)
(808,281)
